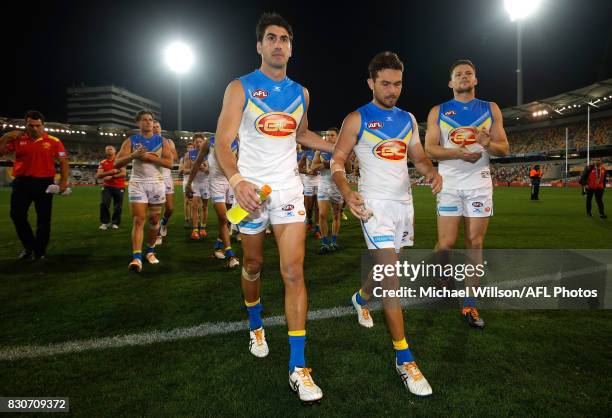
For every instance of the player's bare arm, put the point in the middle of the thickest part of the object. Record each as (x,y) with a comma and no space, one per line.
(315,164)
(227,129)
(422,163)
(125,154)
(165,160)
(306,137)
(6,138)
(435,151)
(494,141)
(344,146)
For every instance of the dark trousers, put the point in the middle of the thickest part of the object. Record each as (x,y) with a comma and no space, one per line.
(116,194)
(25,191)
(598,198)
(535,191)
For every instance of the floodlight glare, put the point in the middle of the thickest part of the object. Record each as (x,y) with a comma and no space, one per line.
(520,9)
(179,57)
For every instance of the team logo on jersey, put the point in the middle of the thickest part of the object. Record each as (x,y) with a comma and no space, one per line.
(450,113)
(375,125)
(391,150)
(463,135)
(259,94)
(276,124)
(46,145)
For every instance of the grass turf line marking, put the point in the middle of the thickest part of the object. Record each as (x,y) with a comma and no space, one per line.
(216,328)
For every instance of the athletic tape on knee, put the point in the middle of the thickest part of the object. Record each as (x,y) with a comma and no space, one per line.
(250,277)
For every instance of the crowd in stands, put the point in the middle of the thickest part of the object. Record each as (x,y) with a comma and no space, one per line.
(553,138)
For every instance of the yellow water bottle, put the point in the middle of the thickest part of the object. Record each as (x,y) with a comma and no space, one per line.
(236,214)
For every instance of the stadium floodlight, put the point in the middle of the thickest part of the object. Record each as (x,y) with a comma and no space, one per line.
(179,58)
(518,10)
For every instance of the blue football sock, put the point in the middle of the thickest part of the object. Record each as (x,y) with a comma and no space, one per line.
(334,239)
(150,250)
(469,301)
(254,311)
(296,350)
(164,220)
(359,299)
(325,240)
(218,244)
(403,356)
(229,252)
(138,255)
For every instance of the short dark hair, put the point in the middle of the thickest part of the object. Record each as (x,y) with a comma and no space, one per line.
(141,113)
(384,61)
(458,63)
(333,128)
(34,114)
(269,19)
(199,135)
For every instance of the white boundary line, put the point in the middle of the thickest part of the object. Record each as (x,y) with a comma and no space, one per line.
(216,328)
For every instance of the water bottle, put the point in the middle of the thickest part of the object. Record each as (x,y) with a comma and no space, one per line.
(236,214)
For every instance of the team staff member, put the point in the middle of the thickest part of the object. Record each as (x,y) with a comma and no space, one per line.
(113,187)
(594,178)
(34,169)
(535,174)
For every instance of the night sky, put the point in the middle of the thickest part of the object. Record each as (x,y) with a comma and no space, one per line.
(567,45)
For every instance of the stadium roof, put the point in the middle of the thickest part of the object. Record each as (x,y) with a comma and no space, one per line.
(597,95)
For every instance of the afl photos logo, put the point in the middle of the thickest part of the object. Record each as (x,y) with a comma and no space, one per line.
(276,124)
(392,150)
(464,135)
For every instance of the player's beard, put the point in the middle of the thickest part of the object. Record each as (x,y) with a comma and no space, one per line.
(387,102)
(464,90)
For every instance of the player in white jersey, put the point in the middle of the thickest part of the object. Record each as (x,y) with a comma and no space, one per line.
(185,169)
(328,194)
(222,196)
(146,191)
(200,188)
(382,137)
(311,190)
(269,111)
(461,134)
(169,184)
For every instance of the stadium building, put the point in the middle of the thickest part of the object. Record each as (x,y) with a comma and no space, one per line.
(107,106)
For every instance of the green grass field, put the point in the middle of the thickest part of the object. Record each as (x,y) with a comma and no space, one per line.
(526,363)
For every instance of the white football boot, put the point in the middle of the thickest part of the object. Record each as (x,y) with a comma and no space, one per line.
(413,379)
(363,313)
(258,345)
(300,381)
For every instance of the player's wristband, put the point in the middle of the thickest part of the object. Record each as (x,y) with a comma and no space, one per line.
(235,179)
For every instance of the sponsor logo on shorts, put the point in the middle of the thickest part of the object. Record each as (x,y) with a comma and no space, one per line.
(276,124)
(391,150)
(477,204)
(259,94)
(156,196)
(485,174)
(477,210)
(383,238)
(463,135)
(375,125)
(487,209)
(288,214)
(450,113)
(288,207)
(301,213)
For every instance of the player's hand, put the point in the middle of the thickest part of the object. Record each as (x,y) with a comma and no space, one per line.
(189,191)
(356,204)
(107,178)
(139,152)
(436,181)
(247,197)
(466,155)
(483,137)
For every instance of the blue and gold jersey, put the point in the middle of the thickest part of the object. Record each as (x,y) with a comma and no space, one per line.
(459,124)
(382,148)
(271,115)
(143,171)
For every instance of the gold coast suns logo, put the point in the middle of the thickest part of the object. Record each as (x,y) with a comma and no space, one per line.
(390,150)
(463,135)
(276,124)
